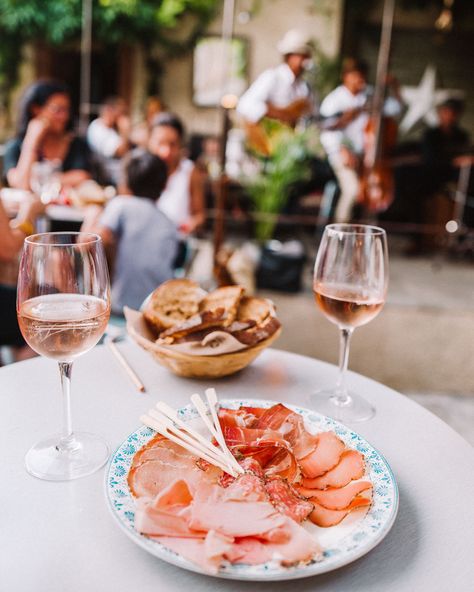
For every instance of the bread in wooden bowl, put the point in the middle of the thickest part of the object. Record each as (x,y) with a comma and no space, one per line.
(227,332)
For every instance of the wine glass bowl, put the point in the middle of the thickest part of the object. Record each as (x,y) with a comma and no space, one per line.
(63,307)
(349,285)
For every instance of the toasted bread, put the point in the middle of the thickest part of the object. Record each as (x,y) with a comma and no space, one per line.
(255,309)
(228,298)
(216,309)
(174,302)
(262,312)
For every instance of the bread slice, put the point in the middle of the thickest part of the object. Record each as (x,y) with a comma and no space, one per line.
(217,309)
(262,312)
(227,298)
(255,309)
(172,303)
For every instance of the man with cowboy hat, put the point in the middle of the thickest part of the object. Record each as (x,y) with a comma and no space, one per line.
(281,93)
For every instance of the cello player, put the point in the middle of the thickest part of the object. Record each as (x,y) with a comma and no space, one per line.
(344,140)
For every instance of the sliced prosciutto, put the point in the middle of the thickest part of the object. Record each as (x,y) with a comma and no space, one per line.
(351,466)
(290,476)
(321,516)
(325,456)
(286,499)
(336,498)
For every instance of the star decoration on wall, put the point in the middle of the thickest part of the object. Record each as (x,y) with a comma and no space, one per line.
(423,99)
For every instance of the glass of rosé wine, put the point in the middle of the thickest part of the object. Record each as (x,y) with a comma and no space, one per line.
(350,286)
(63,307)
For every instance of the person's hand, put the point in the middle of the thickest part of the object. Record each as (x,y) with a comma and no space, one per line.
(347,117)
(463,160)
(37,128)
(348,158)
(31,208)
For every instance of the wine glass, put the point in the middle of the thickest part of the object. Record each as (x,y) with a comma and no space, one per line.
(350,286)
(63,307)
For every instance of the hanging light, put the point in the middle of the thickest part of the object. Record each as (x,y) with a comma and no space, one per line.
(445,20)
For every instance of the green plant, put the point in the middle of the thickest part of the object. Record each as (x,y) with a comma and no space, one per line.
(150,23)
(287,164)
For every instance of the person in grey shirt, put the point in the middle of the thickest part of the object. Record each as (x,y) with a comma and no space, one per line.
(145,240)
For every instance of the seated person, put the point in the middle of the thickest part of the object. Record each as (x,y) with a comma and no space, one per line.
(346,107)
(183,198)
(144,238)
(109,137)
(12,236)
(45,137)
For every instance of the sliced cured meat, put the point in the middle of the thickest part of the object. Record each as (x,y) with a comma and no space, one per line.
(326,455)
(336,498)
(321,516)
(351,466)
(249,550)
(283,464)
(286,500)
(207,552)
(176,494)
(300,546)
(151,477)
(154,521)
(253,438)
(246,487)
(235,518)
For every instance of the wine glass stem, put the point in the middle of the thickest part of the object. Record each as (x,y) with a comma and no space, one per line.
(67,442)
(342,396)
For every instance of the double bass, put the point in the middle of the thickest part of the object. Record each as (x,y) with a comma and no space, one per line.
(377,181)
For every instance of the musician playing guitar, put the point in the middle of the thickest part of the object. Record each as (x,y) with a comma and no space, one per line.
(346,112)
(280,93)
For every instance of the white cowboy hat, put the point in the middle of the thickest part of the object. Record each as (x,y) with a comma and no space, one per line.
(295,41)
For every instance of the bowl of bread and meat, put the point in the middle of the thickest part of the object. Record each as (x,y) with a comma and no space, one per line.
(200,334)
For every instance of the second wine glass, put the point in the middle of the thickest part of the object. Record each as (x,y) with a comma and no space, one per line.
(350,285)
(63,307)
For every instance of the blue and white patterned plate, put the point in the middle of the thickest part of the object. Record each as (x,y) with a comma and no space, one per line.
(342,544)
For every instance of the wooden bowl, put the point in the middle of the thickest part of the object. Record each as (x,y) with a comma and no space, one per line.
(191,366)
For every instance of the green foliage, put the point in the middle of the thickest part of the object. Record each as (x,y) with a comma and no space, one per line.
(147,22)
(288,163)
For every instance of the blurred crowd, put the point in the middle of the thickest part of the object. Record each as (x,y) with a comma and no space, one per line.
(159,186)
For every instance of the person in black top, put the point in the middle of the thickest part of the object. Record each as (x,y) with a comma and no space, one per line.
(442,144)
(45,136)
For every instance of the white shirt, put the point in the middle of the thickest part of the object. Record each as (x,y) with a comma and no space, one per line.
(277,86)
(339,101)
(103,139)
(175,200)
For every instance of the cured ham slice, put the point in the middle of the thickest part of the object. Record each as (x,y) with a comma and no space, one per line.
(321,516)
(207,552)
(155,521)
(286,500)
(325,457)
(300,546)
(235,518)
(336,498)
(253,438)
(351,466)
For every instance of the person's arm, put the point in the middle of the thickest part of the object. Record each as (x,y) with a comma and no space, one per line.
(92,223)
(73,178)
(19,176)
(253,104)
(14,232)
(197,205)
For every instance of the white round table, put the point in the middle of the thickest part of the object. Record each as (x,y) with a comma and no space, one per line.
(57,537)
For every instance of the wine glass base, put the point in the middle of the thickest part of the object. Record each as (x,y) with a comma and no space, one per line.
(357,409)
(46,460)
